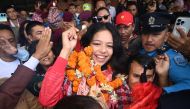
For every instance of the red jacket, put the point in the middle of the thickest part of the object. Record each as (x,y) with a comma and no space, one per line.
(51,90)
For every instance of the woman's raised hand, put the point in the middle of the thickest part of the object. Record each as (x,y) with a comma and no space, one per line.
(69,40)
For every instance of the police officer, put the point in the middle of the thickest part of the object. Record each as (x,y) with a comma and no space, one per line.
(154,35)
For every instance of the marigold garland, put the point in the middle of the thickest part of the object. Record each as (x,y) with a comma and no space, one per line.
(80,65)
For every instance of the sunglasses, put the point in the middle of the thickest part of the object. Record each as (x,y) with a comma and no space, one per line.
(100,18)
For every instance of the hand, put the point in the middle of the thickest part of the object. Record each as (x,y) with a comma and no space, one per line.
(162,64)
(162,67)
(181,44)
(44,45)
(7,47)
(67,25)
(69,40)
(81,33)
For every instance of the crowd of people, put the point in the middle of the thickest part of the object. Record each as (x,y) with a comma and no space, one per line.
(95,54)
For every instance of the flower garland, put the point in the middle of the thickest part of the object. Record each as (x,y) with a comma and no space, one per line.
(80,64)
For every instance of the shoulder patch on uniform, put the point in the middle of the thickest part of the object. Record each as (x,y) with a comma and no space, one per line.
(180,60)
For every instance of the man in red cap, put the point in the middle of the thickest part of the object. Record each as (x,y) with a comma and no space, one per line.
(125,25)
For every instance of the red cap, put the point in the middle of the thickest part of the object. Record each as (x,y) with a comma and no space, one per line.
(125,18)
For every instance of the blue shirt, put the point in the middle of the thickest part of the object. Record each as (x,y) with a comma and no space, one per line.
(179,70)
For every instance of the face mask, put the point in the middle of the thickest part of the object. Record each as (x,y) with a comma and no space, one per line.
(22,54)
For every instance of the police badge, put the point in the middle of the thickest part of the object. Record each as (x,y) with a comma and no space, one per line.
(151,20)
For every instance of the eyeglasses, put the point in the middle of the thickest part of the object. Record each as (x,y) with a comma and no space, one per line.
(100,18)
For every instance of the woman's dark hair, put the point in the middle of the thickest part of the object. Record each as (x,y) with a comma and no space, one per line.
(78,102)
(22,39)
(118,49)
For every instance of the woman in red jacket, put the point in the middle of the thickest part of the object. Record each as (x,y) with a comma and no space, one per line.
(107,52)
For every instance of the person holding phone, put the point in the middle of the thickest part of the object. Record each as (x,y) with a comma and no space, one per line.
(181,44)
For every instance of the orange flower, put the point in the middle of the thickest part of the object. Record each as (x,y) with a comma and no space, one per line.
(78,79)
(70,72)
(106,96)
(88,50)
(71,78)
(91,81)
(71,64)
(75,89)
(72,59)
(75,83)
(73,55)
(81,55)
(116,83)
(83,63)
(97,68)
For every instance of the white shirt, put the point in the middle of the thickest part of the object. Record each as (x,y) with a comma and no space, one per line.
(7,68)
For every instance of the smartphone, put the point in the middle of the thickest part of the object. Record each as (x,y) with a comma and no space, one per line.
(3,17)
(181,22)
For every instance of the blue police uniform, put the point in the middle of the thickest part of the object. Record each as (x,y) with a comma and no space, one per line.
(179,69)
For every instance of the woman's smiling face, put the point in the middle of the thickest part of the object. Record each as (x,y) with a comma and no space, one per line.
(102,44)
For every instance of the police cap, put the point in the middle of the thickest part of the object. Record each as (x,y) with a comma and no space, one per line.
(154,22)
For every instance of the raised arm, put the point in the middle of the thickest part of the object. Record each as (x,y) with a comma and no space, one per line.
(51,90)
(11,89)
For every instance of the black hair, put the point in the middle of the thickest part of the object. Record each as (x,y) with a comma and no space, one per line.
(118,49)
(6,27)
(102,8)
(78,102)
(96,1)
(72,4)
(9,7)
(131,3)
(32,24)
(151,3)
(22,38)
(145,61)
(23,9)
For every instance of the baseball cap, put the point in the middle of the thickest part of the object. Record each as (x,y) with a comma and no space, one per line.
(125,18)
(87,7)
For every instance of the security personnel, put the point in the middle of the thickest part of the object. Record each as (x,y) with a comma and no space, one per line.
(154,35)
